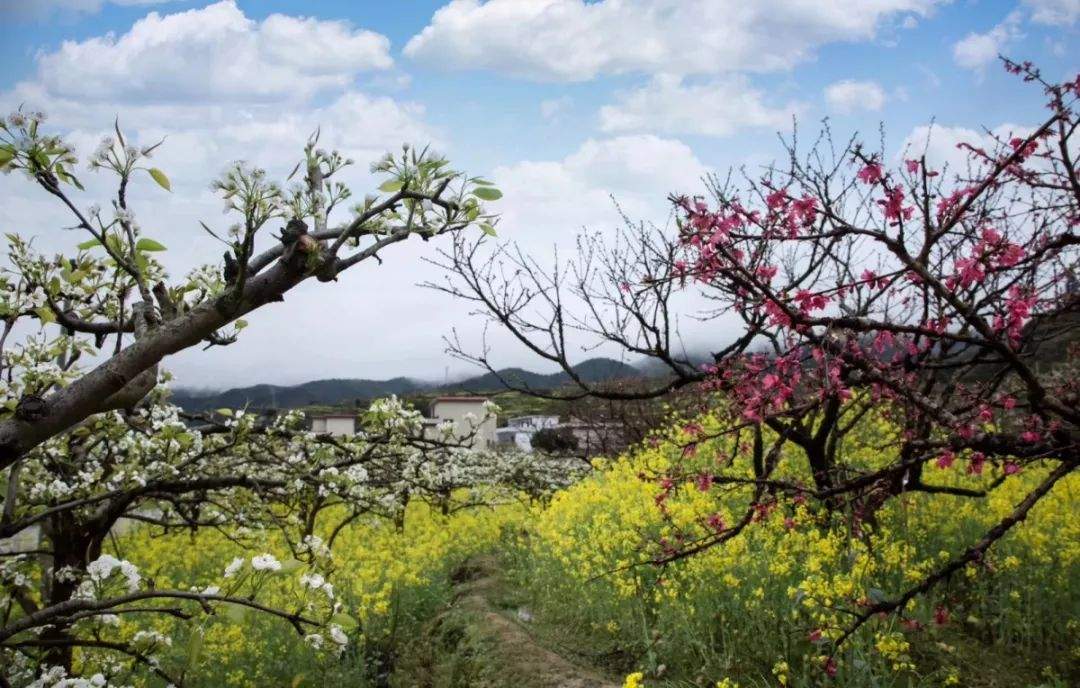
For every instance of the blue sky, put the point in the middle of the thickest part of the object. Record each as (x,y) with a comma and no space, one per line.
(562,102)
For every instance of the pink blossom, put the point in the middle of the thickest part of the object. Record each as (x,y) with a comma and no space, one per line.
(941,615)
(776,199)
(975,465)
(1025,150)
(946,459)
(806,207)
(777,314)
(912,624)
(969,271)
(716,522)
(883,340)
(893,205)
(870,174)
(1011,254)
(809,301)
(704,482)
(766,272)
(830,666)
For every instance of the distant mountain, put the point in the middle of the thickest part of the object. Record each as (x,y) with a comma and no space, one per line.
(338,392)
(318,392)
(592,370)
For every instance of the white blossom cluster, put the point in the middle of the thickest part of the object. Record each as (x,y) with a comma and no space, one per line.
(102,568)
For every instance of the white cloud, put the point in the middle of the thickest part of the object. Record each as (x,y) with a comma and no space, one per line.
(547,204)
(719,107)
(1054,12)
(554,199)
(574,40)
(940,144)
(204,131)
(977,50)
(214,54)
(553,108)
(849,96)
(375,322)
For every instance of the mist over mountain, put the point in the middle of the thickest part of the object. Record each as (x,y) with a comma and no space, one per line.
(345,391)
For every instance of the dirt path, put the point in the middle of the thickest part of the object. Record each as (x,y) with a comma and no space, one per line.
(475,643)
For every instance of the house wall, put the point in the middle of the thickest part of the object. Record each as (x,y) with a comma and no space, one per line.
(334,426)
(514,437)
(533,423)
(459,411)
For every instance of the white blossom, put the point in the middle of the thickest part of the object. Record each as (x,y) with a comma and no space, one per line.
(235,565)
(103,567)
(265,562)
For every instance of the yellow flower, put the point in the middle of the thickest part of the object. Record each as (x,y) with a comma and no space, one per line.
(952,678)
(780,671)
(634,680)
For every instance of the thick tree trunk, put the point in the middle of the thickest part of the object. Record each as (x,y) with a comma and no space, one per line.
(73,548)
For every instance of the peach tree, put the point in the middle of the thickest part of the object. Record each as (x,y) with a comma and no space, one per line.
(945,298)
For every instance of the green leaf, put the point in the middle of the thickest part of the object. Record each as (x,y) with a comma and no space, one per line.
(7,154)
(487,193)
(486,228)
(160,178)
(391,185)
(194,648)
(240,324)
(290,565)
(237,613)
(45,314)
(346,622)
(482,182)
(147,244)
(88,244)
(113,242)
(224,411)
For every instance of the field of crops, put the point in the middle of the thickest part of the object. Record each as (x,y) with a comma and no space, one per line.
(576,573)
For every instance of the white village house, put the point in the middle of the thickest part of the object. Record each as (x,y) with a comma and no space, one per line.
(334,423)
(468,414)
(519,431)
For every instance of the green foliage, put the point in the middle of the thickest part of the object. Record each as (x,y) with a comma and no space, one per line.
(160,178)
